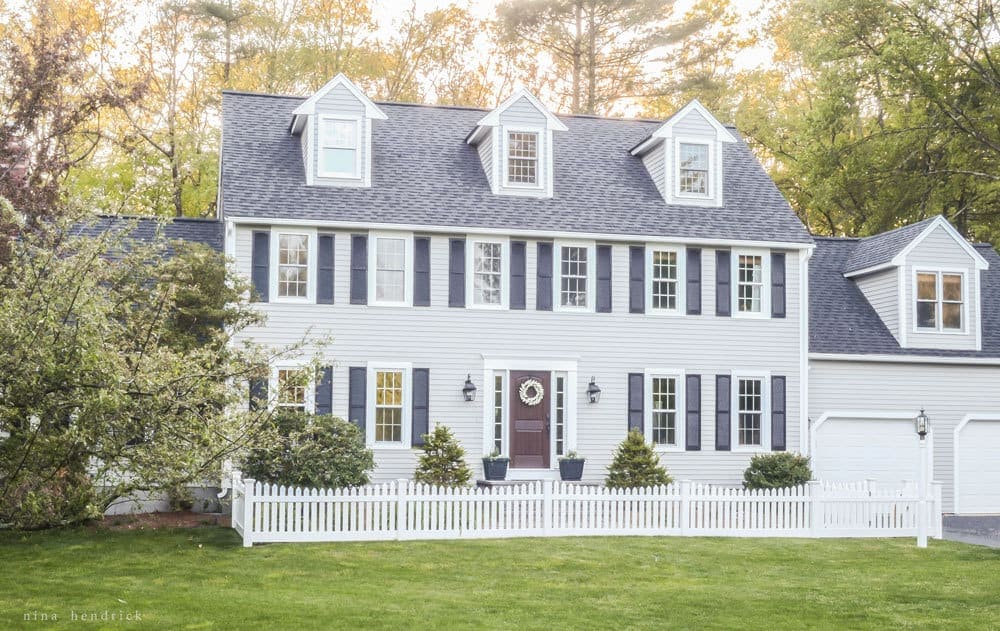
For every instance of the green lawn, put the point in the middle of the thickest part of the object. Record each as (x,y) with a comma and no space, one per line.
(202,578)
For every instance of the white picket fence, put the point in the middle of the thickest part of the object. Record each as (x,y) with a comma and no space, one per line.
(404,510)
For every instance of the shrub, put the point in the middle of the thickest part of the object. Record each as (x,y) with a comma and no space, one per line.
(443,460)
(313,451)
(66,497)
(777,470)
(635,464)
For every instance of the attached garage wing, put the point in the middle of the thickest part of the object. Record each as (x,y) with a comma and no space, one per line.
(883,447)
(977,465)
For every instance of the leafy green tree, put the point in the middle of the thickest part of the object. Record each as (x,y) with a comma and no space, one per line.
(636,464)
(443,460)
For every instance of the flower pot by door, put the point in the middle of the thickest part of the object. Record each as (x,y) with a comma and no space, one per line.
(571,470)
(495,468)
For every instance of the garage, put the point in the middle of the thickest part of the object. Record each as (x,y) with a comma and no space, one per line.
(977,465)
(882,447)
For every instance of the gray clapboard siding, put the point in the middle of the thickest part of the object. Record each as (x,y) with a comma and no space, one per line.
(655,163)
(881,290)
(340,101)
(948,393)
(694,124)
(522,113)
(485,149)
(608,346)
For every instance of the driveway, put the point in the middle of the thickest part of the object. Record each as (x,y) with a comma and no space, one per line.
(982,530)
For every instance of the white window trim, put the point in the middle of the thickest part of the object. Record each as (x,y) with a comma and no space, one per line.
(939,328)
(407,369)
(734,411)
(470,271)
(358,130)
(539,179)
(272,385)
(275,256)
(681,411)
(709,193)
(407,269)
(591,247)
(681,305)
(734,283)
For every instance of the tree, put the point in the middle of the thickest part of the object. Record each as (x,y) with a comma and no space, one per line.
(635,464)
(443,460)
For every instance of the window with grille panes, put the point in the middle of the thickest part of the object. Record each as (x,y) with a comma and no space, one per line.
(939,301)
(522,157)
(750,411)
(664,410)
(573,276)
(293,265)
(390,269)
(338,151)
(692,169)
(388,406)
(750,283)
(664,279)
(291,390)
(498,413)
(487,273)
(560,414)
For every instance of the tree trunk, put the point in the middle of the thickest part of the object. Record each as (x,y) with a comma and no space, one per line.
(577,58)
(591,64)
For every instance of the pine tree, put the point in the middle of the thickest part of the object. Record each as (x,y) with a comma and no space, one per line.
(636,465)
(443,460)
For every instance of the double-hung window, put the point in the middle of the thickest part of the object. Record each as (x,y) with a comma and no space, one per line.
(522,158)
(693,167)
(486,285)
(750,291)
(665,429)
(339,150)
(293,265)
(940,301)
(665,270)
(575,275)
(292,388)
(391,256)
(389,406)
(751,427)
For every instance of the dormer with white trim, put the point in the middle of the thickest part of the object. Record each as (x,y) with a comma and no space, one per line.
(515,146)
(684,157)
(923,280)
(335,129)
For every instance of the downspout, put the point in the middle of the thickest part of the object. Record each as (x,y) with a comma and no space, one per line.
(804,428)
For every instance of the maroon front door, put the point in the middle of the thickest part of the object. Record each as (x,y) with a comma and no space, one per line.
(529,422)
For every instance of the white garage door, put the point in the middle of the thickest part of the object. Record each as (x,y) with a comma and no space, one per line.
(849,450)
(978,467)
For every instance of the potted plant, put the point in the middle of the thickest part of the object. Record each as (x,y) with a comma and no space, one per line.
(495,466)
(571,466)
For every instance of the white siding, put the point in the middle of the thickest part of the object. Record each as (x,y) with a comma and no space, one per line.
(940,250)
(485,149)
(882,291)
(522,114)
(340,101)
(947,392)
(694,124)
(608,346)
(654,163)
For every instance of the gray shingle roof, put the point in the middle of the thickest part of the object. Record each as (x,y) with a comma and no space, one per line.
(881,248)
(841,320)
(206,231)
(425,174)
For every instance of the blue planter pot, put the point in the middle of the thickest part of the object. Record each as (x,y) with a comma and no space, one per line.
(571,470)
(495,468)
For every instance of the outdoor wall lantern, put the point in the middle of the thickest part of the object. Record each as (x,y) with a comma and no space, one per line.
(593,391)
(921,423)
(469,389)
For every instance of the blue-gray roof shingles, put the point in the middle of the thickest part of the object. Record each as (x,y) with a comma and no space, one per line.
(206,231)
(425,174)
(842,321)
(880,249)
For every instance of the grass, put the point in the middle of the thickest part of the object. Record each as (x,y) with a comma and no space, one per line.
(202,579)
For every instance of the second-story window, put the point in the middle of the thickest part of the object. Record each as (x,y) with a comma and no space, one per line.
(750,283)
(574,270)
(293,265)
(522,158)
(390,269)
(692,176)
(939,301)
(487,273)
(338,147)
(664,274)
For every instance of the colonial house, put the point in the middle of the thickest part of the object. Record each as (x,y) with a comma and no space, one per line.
(577,276)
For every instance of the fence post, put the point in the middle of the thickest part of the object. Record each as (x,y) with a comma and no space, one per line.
(547,491)
(402,518)
(937,527)
(685,508)
(815,492)
(248,500)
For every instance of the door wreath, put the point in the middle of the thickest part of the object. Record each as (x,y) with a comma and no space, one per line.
(531,392)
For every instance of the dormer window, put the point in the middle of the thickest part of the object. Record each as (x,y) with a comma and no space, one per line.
(940,300)
(522,158)
(338,148)
(692,163)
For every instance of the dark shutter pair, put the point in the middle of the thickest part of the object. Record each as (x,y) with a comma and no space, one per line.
(260,266)
(723,284)
(543,284)
(323,394)
(421,270)
(357,397)
(724,413)
(456,274)
(692,404)
(637,280)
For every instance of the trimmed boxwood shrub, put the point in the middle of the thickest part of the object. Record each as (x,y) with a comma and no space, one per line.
(777,470)
(636,465)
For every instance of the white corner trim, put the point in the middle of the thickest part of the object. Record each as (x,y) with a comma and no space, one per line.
(803,352)
(941,222)
(956,493)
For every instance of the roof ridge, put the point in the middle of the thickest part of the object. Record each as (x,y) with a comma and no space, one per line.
(905,227)
(159,218)
(831,238)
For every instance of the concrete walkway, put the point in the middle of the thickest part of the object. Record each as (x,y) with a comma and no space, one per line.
(981,530)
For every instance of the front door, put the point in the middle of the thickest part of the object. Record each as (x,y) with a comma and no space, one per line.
(529,419)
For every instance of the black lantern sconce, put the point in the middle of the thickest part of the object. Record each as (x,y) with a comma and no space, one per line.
(469,389)
(593,391)
(922,423)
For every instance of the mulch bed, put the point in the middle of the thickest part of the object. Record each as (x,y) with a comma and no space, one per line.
(154,521)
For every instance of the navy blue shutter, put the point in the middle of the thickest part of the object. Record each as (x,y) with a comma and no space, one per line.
(693,281)
(258,394)
(778,414)
(324,270)
(636,401)
(543,289)
(260,272)
(723,295)
(420,414)
(359,269)
(324,391)
(357,396)
(692,403)
(604,279)
(637,279)
(518,274)
(422,272)
(723,415)
(777,284)
(456,273)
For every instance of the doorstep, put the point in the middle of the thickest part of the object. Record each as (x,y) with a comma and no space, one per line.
(489,484)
